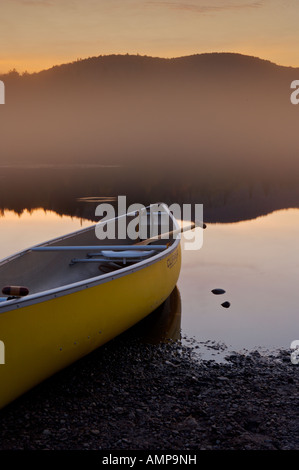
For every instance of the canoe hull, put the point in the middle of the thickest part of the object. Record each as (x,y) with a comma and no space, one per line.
(42,338)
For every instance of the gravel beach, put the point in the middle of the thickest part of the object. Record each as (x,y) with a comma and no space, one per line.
(129,395)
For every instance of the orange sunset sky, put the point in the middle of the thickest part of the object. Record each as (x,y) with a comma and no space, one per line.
(37,34)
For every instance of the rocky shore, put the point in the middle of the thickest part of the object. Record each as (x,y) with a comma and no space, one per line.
(134,396)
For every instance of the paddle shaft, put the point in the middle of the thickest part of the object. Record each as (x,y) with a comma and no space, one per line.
(169,234)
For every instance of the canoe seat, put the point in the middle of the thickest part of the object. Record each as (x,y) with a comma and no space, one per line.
(126,254)
(115,256)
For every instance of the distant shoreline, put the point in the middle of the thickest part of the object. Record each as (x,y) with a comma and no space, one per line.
(145,56)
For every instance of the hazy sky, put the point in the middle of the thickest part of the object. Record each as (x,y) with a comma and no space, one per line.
(36,34)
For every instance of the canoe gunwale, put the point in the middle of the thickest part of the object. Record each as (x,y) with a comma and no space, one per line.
(67,289)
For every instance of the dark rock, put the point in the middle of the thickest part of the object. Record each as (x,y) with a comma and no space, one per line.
(218,291)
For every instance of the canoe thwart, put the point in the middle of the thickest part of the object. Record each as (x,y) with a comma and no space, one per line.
(99,247)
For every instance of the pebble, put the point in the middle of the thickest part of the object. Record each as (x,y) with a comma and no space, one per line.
(126,396)
(218,291)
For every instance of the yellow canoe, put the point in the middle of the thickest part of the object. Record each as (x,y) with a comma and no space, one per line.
(72,307)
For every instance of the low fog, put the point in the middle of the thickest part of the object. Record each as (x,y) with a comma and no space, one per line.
(198,117)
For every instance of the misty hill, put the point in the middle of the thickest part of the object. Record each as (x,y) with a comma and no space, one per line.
(202,116)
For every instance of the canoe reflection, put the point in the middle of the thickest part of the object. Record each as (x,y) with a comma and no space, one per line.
(163,324)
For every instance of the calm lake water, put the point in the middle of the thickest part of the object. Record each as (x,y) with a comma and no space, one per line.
(256,262)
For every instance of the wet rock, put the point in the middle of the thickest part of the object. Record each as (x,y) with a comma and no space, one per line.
(218,291)
(189,423)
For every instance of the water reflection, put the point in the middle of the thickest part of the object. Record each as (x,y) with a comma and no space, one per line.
(163,324)
(20,231)
(76,191)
